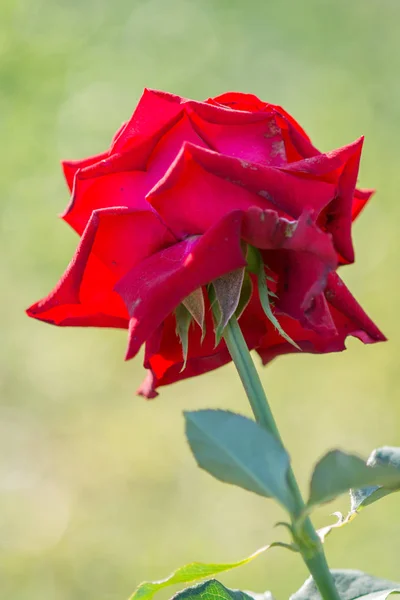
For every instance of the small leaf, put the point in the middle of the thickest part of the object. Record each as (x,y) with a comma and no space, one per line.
(360,498)
(211,590)
(351,585)
(258,265)
(183,322)
(245,295)
(195,305)
(236,450)
(189,573)
(337,472)
(227,292)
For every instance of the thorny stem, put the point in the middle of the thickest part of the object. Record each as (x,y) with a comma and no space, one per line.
(306,538)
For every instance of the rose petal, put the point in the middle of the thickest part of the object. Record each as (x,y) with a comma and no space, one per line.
(258,141)
(360,199)
(152,289)
(302,256)
(163,354)
(90,194)
(339,167)
(348,316)
(113,242)
(155,113)
(240,101)
(71,167)
(169,147)
(202,185)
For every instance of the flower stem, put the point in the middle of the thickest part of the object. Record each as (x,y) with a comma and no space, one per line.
(307,539)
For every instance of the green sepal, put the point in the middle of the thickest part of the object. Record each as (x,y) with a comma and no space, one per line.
(245,295)
(189,573)
(238,451)
(256,265)
(351,585)
(227,290)
(183,322)
(194,303)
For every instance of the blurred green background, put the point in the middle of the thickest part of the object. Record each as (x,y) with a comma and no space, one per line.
(98,490)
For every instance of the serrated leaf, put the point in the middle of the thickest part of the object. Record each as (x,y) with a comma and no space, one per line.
(245,295)
(227,293)
(183,322)
(257,265)
(337,472)
(351,585)
(236,450)
(188,574)
(211,590)
(360,498)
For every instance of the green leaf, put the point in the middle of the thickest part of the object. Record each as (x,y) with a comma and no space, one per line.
(188,574)
(364,496)
(236,450)
(183,322)
(338,471)
(227,293)
(351,585)
(360,498)
(211,590)
(257,264)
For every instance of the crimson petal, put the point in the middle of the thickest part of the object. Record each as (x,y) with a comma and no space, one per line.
(153,289)
(202,185)
(114,240)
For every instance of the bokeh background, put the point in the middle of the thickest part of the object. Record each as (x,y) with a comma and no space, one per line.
(98,490)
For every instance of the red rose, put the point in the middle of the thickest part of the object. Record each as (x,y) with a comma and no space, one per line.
(172,204)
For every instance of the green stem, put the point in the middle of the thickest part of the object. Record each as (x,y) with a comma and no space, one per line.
(307,539)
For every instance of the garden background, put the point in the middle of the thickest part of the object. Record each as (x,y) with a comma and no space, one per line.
(98,489)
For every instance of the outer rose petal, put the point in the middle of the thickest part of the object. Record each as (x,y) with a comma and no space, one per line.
(113,242)
(360,199)
(302,256)
(120,179)
(201,185)
(163,355)
(299,147)
(240,101)
(71,167)
(90,194)
(155,113)
(340,166)
(153,289)
(349,319)
(249,102)
(257,138)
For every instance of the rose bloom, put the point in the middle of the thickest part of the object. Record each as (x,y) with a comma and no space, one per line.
(172,204)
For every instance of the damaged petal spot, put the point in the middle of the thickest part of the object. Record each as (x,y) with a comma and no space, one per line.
(329,295)
(266,195)
(272,130)
(246,165)
(278,149)
(290,228)
(234,181)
